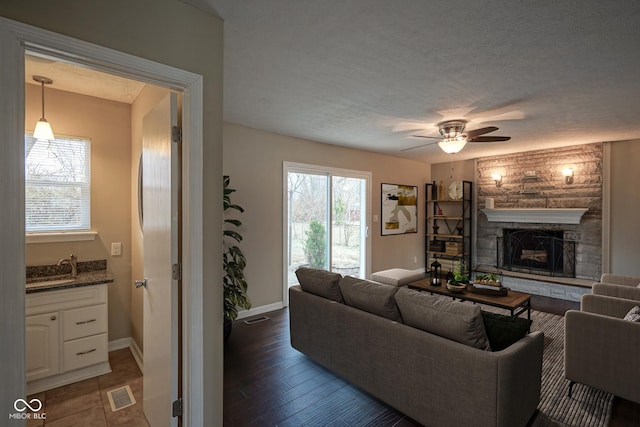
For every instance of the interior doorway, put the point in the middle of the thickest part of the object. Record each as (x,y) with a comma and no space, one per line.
(110,114)
(15,42)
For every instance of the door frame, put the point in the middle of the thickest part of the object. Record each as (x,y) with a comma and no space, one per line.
(320,170)
(15,38)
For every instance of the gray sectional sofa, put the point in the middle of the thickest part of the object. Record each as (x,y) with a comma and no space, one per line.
(375,336)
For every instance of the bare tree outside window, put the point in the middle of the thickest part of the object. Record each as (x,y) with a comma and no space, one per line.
(57,184)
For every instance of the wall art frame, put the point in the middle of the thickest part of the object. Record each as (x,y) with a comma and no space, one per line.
(399,209)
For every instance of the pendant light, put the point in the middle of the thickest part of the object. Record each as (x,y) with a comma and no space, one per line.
(43,128)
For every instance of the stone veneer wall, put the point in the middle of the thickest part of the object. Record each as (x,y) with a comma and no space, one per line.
(585,192)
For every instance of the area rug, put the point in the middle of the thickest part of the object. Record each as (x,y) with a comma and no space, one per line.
(587,407)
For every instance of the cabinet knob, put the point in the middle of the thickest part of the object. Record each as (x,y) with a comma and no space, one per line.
(53,318)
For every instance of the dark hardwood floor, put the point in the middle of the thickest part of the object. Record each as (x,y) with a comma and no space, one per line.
(268,383)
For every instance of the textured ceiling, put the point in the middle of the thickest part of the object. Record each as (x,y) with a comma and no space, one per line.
(368,74)
(73,78)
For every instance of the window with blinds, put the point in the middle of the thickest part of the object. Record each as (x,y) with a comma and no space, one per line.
(57,184)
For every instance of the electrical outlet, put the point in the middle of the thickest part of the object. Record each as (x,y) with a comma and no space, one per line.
(116,249)
(375,218)
(415,259)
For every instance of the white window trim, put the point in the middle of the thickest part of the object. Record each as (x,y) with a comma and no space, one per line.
(57,237)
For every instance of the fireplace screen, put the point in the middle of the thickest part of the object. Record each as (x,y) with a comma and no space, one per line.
(537,251)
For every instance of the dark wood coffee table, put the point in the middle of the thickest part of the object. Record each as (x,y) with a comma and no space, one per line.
(516,302)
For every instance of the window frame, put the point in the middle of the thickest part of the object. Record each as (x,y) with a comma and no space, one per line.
(81,230)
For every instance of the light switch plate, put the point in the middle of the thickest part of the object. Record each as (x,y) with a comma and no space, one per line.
(116,249)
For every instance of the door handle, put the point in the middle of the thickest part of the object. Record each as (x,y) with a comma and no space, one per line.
(139,283)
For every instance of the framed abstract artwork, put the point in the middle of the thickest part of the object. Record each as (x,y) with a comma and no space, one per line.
(399,209)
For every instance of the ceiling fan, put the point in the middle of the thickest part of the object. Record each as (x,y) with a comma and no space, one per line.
(453,138)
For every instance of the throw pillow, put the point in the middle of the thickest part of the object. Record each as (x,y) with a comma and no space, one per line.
(633,315)
(503,331)
(320,282)
(375,298)
(455,320)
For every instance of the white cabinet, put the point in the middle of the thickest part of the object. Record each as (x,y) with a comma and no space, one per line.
(42,334)
(67,336)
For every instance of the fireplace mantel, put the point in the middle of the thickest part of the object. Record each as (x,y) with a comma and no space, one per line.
(536,215)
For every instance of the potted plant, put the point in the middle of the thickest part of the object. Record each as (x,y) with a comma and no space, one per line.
(460,279)
(234,262)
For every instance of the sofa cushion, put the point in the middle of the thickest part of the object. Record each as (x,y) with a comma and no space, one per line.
(375,298)
(320,282)
(455,320)
(633,315)
(503,331)
(397,276)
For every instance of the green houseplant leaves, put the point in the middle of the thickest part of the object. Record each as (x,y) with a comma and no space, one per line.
(234,261)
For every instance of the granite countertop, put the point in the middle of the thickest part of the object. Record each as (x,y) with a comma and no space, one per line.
(44,278)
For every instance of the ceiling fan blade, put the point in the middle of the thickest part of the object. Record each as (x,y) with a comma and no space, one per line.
(489,138)
(476,132)
(418,146)
(429,137)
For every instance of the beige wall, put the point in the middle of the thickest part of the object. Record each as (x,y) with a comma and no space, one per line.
(173,33)
(107,125)
(146,100)
(624,207)
(254,160)
(453,171)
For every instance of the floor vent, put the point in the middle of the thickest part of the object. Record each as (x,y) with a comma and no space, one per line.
(256,320)
(121,398)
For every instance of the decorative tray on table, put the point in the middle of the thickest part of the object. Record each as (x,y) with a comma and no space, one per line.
(487,289)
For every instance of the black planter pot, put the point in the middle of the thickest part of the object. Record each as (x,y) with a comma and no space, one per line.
(228,324)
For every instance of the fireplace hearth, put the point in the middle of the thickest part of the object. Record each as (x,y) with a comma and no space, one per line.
(536,251)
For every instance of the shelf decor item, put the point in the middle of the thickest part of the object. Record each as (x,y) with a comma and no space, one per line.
(436,245)
(399,209)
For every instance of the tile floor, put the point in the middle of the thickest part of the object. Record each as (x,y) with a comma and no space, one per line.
(85,403)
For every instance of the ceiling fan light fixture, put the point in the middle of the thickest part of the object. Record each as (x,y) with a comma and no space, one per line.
(451,129)
(43,127)
(453,145)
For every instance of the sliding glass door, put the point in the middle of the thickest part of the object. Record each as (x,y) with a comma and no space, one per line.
(325,220)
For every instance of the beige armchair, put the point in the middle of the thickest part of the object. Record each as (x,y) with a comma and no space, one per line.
(617,285)
(601,349)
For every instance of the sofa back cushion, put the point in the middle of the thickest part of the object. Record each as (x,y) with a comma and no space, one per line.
(375,298)
(320,282)
(450,319)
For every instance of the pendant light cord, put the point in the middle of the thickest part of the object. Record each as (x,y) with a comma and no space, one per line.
(42,83)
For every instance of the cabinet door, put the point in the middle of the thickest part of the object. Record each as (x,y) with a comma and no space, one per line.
(43,345)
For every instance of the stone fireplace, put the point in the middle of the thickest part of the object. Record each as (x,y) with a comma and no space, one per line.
(536,227)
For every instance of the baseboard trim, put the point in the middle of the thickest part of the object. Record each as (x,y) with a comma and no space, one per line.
(260,310)
(129,343)
(137,354)
(119,344)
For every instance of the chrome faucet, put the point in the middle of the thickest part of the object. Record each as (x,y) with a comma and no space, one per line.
(73,262)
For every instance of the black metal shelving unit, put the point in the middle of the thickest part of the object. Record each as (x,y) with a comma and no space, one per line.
(449,224)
